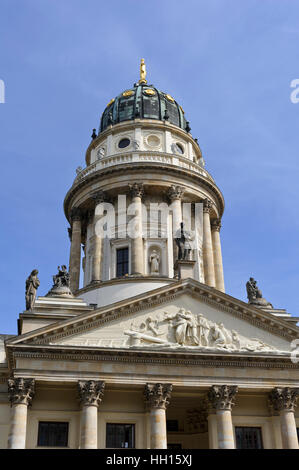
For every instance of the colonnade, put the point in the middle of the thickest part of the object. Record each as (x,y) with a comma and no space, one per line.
(211,245)
(220,400)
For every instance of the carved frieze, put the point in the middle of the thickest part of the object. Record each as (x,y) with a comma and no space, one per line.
(192,331)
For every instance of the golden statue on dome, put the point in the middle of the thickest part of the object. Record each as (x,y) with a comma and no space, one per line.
(142,72)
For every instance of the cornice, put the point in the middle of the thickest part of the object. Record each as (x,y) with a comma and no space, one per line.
(138,167)
(137,356)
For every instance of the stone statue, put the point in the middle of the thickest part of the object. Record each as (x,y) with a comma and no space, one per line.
(32,283)
(254,295)
(61,284)
(154,260)
(185,327)
(183,242)
(204,329)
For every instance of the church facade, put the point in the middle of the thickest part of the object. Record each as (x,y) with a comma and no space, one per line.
(147,350)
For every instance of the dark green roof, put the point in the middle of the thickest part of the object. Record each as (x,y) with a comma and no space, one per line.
(143,102)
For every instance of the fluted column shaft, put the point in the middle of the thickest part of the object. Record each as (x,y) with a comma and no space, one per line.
(283,401)
(221,398)
(217,255)
(157,398)
(137,255)
(96,239)
(208,259)
(21,392)
(75,252)
(90,394)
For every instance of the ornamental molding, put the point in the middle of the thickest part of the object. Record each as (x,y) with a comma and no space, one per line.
(149,357)
(21,391)
(90,392)
(222,397)
(157,395)
(138,167)
(283,399)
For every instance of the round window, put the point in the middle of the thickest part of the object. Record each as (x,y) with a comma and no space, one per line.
(123,143)
(180,148)
(153,140)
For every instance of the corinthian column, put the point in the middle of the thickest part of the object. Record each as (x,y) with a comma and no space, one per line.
(175,194)
(217,255)
(96,239)
(137,254)
(283,402)
(208,260)
(75,252)
(157,398)
(90,395)
(21,392)
(221,398)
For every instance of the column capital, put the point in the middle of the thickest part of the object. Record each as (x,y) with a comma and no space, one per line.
(207,205)
(98,197)
(157,395)
(76,214)
(136,189)
(221,397)
(21,391)
(175,193)
(91,392)
(283,399)
(216,225)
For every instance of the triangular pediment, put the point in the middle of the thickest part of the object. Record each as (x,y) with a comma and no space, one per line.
(185,316)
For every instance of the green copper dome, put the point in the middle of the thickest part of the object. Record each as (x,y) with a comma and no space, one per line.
(143,101)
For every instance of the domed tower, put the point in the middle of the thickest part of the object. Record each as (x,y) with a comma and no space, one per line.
(144,176)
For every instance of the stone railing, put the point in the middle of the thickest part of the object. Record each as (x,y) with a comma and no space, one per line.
(135,157)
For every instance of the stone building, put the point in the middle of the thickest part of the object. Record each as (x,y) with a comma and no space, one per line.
(150,352)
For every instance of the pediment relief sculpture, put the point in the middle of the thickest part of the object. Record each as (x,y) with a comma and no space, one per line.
(187,330)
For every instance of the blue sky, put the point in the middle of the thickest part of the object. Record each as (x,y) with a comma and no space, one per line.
(228,63)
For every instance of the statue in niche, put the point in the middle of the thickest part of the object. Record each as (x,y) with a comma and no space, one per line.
(154,260)
(183,241)
(185,327)
(254,295)
(32,284)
